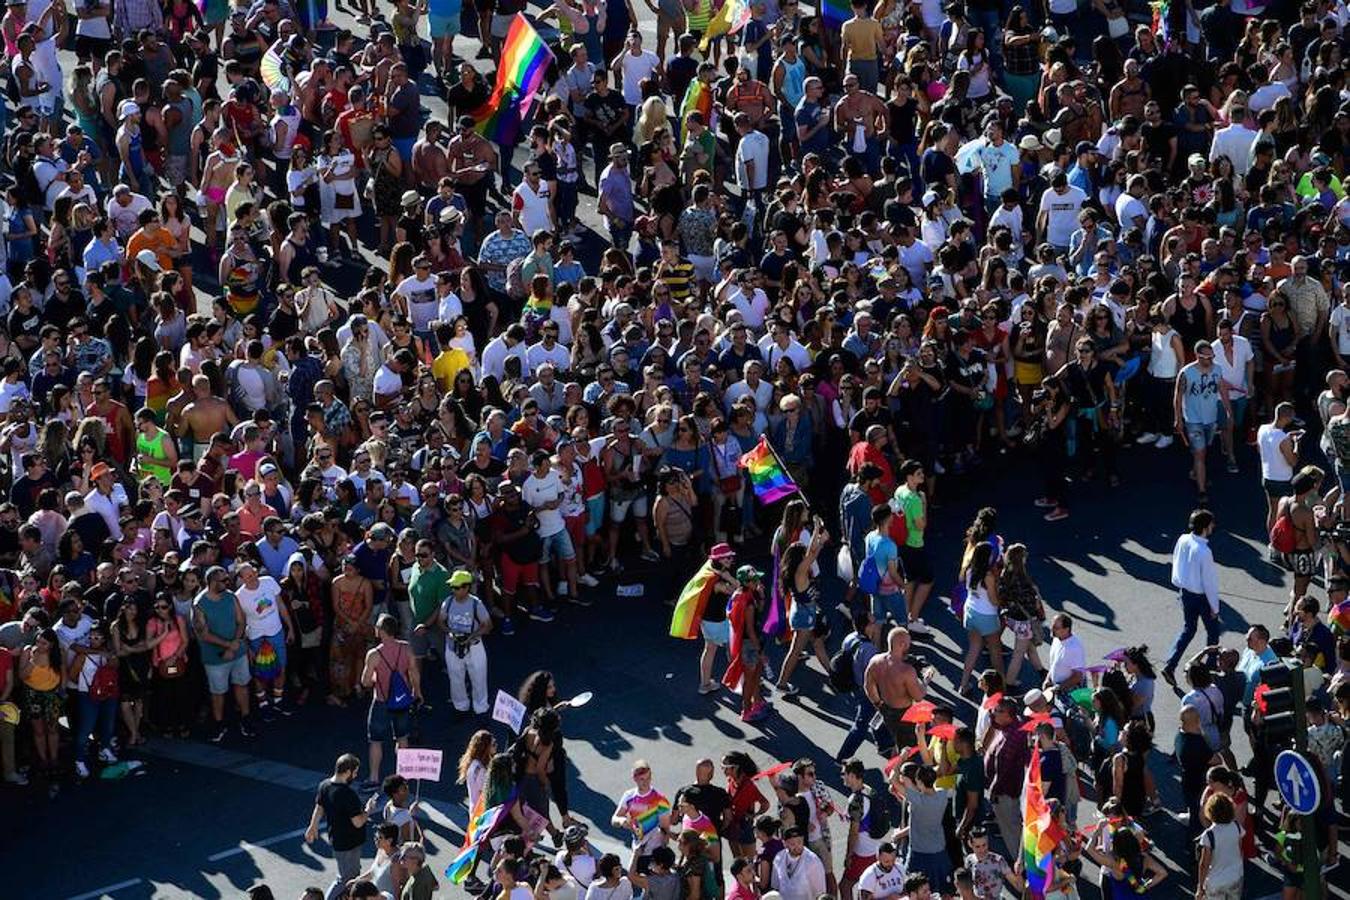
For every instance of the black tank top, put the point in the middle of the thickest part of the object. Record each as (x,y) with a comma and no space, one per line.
(1189,323)
(303,258)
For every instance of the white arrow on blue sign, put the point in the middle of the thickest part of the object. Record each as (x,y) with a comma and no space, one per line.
(1298,782)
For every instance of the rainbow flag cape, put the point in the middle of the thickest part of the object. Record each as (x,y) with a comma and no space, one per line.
(731,18)
(525,59)
(701,826)
(775,618)
(648,809)
(698,98)
(769,479)
(835,12)
(482,822)
(684,623)
(1040,832)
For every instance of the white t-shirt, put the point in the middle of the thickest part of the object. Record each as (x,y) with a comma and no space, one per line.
(882,884)
(753,148)
(1225,865)
(1066,655)
(450,308)
(636,68)
(538,354)
(533,206)
(1340,320)
(536,492)
(387,381)
(421,296)
(68,636)
(1129,208)
(1274,467)
(1234,372)
(1061,214)
(597,891)
(1011,218)
(262,618)
(753,309)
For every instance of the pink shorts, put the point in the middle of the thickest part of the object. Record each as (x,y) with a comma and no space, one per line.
(214,194)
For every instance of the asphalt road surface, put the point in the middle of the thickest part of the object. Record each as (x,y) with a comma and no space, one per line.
(211,821)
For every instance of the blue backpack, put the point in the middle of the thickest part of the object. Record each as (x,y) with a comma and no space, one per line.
(869,576)
(400,695)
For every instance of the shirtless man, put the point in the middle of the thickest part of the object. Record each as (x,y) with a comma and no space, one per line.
(1303,560)
(173,410)
(390,655)
(429,162)
(472,160)
(1130,94)
(204,416)
(217,176)
(893,685)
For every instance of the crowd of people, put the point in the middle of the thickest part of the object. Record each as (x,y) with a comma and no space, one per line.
(443,387)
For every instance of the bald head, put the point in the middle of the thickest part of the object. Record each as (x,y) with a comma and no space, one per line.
(898,640)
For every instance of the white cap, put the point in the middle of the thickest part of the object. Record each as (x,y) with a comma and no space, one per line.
(148,259)
(127,109)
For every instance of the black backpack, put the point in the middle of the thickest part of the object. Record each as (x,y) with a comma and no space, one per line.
(878,818)
(841,669)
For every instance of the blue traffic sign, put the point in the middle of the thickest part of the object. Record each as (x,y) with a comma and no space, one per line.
(1298,782)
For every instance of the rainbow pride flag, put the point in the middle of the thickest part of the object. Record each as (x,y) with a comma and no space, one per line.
(684,622)
(731,18)
(767,476)
(835,12)
(701,826)
(1340,616)
(525,59)
(698,98)
(647,809)
(482,822)
(1040,832)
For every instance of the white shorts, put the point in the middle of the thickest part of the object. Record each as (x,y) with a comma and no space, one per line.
(619,509)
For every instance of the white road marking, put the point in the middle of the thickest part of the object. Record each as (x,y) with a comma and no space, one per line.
(105,891)
(248,846)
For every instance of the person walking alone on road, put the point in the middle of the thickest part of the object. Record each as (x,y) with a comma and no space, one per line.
(1196,577)
(1200,393)
(338,803)
(392,674)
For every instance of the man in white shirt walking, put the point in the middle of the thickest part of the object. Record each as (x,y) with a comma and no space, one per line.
(1196,577)
(1068,657)
(798,873)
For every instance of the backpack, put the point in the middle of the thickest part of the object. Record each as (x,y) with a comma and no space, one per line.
(869,576)
(1283,538)
(515,282)
(878,818)
(841,668)
(104,685)
(899,530)
(400,695)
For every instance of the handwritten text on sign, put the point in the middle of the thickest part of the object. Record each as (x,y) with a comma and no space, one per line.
(509,711)
(415,762)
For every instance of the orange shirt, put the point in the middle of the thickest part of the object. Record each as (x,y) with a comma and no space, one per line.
(162,243)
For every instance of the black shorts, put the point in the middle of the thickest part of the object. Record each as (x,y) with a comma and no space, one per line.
(1277,488)
(87,48)
(385,724)
(918,568)
(1301,562)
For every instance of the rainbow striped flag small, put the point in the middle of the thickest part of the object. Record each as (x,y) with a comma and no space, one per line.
(648,809)
(525,60)
(685,621)
(1340,616)
(835,12)
(731,18)
(481,824)
(702,826)
(1040,832)
(769,479)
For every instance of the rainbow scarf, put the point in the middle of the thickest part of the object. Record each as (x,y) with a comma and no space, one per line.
(525,59)
(1040,832)
(767,476)
(835,12)
(684,623)
(482,822)
(775,618)
(647,810)
(700,825)
(698,98)
(731,18)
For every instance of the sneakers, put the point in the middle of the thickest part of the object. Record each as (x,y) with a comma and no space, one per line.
(1044,503)
(788,690)
(1232,467)
(539,614)
(508,627)
(281,707)
(81,769)
(588,580)
(709,687)
(563,589)
(1056,515)
(1164,442)
(755,713)
(17,779)
(1169,675)
(107,756)
(246,729)
(1147,437)
(218,734)
(918,626)
(615,567)
(650,555)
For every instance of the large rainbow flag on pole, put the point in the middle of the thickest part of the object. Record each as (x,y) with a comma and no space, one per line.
(525,59)
(731,18)
(1040,832)
(688,615)
(835,12)
(482,822)
(767,475)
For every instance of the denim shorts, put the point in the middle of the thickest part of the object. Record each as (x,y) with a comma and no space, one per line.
(718,633)
(890,606)
(558,546)
(982,623)
(1200,436)
(595,514)
(803,616)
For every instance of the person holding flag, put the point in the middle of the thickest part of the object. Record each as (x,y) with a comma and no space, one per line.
(699,611)
(745,665)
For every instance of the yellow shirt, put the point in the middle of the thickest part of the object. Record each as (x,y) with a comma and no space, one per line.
(939,750)
(450,363)
(860,38)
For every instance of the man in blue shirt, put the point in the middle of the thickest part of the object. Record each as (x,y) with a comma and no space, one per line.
(372,561)
(276,547)
(1199,394)
(1083,173)
(1000,162)
(813,118)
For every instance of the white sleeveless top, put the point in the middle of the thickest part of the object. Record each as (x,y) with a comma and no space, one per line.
(1162,361)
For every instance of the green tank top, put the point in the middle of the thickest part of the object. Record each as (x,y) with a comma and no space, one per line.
(153,447)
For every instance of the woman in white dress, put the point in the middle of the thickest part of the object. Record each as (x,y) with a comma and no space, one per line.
(338,199)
